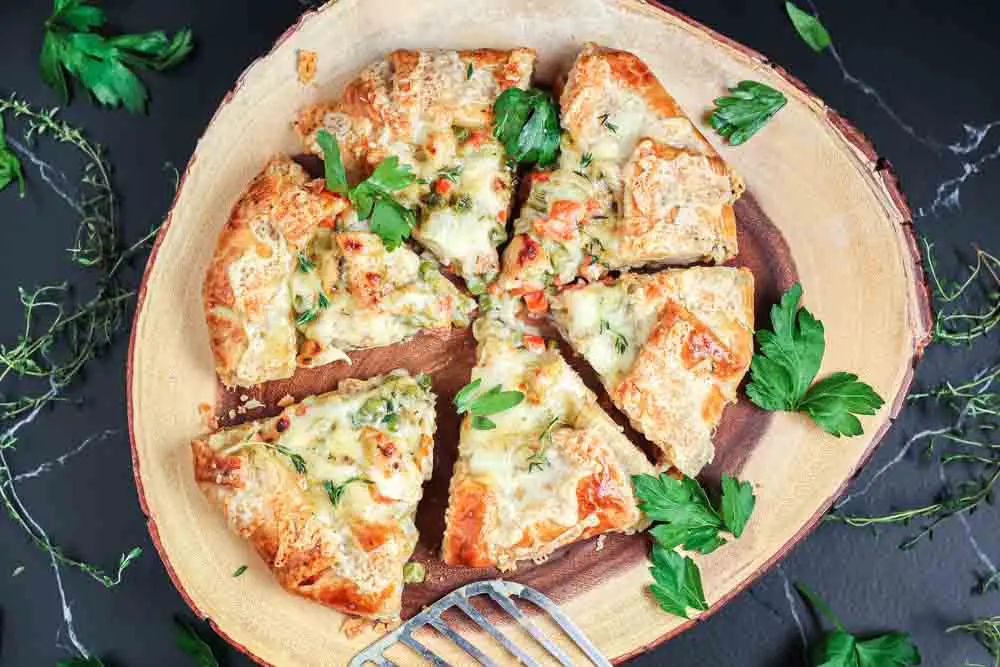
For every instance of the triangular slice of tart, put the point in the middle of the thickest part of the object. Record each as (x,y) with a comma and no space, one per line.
(349,292)
(326,491)
(637,184)
(551,470)
(433,110)
(247,302)
(670,347)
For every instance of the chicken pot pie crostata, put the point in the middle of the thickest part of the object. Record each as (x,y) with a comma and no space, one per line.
(555,469)
(637,184)
(433,110)
(326,491)
(670,348)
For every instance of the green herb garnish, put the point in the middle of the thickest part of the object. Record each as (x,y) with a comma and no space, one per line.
(240,570)
(585,160)
(741,115)
(686,516)
(10,165)
(808,26)
(842,649)
(451,173)
(322,302)
(677,582)
(538,460)
(618,340)
(373,197)
(527,124)
(192,644)
(987,631)
(306,317)
(789,358)
(336,491)
(298,462)
(488,403)
(414,573)
(305,264)
(468,71)
(75,44)
(604,118)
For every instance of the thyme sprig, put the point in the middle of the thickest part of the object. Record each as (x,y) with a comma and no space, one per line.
(953,324)
(61,332)
(987,631)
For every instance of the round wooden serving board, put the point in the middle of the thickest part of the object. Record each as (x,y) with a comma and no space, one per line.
(821,208)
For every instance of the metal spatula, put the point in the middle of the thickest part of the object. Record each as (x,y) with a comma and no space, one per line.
(503,593)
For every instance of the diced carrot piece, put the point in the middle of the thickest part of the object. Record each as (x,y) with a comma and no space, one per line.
(442,186)
(541,176)
(534,343)
(566,209)
(502,216)
(536,302)
(476,139)
(327,223)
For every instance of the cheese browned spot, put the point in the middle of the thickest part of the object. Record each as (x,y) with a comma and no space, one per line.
(326,492)
(670,348)
(556,468)
(653,190)
(433,110)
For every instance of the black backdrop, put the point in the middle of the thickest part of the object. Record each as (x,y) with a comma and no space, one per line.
(930,62)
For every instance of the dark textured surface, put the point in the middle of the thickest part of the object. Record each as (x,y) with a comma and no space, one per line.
(930,61)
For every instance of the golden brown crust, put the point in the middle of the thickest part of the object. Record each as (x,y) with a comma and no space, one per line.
(245,290)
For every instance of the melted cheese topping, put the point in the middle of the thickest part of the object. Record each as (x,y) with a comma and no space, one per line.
(350,293)
(371,442)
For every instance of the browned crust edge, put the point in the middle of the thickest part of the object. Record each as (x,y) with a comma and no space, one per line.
(851,134)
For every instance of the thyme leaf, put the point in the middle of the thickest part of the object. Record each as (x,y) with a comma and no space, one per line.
(538,460)
(336,491)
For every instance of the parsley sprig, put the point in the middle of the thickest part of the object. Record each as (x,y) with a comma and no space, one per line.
(103,65)
(686,515)
(373,197)
(189,641)
(842,649)
(618,339)
(790,357)
(10,165)
(739,116)
(689,520)
(527,124)
(809,27)
(485,404)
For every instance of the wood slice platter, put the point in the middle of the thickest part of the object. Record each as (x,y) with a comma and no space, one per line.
(821,209)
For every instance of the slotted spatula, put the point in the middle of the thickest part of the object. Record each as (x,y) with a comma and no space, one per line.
(503,593)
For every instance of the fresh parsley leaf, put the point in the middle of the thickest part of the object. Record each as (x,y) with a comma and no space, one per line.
(808,26)
(392,221)
(298,462)
(689,519)
(240,570)
(103,64)
(322,301)
(527,124)
(333,165)
(336,491)
(373,197)
(740,115)
(839,648)
(833,401)
(10,165)
(788,361)
(305,317)
(488,403)
(196,647)
(737,504)
(468,71)
(677,586)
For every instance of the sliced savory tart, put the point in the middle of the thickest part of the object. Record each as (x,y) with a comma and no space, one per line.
(350,293)
(637,184)
(540,464)
(433,110)
(326,491)
(246,294)
(670,348)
